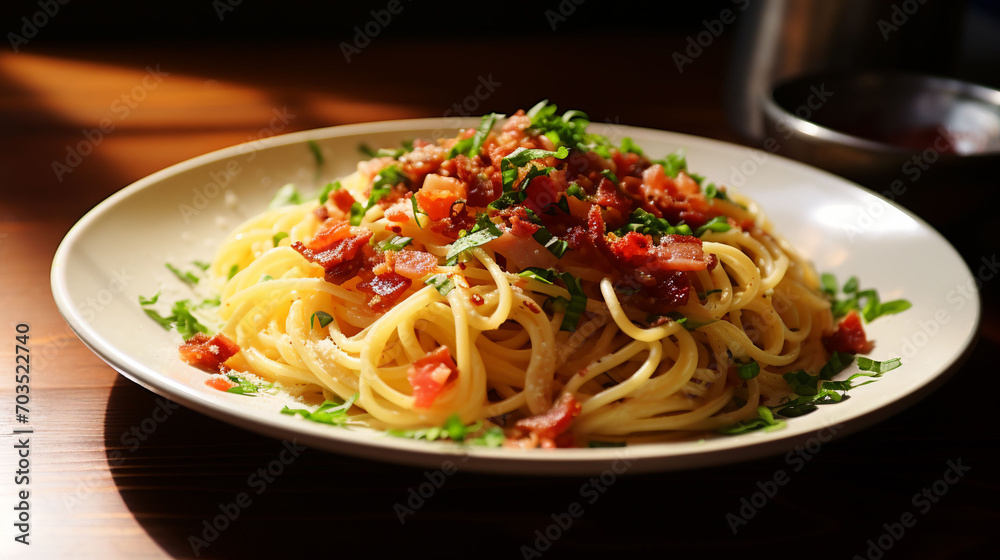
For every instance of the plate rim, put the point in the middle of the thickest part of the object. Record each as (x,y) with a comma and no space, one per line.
(432,454)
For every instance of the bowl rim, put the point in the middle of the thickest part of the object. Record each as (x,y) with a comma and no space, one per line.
(816,131)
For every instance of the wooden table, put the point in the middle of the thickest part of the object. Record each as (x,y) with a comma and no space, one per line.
(97,491)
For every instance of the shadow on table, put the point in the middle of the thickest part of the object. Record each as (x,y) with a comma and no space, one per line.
(200,487)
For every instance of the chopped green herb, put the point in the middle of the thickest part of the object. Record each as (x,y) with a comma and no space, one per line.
(286,195)
(266,278)
(317,154)
(645,223)
(381,186)
(491,437)
(441,282)
(483,232)
(278,237)
(629,146)
(149,300)
(764,420)
(246,387)
(471,146)
(323,317)
(186,277)
(610,176)
(416,210)
(232,271)
(185,323)
(718,223)
(202,265)
(324,194)
(577,302)
(748,371)
(673,164)
(544,275)
(395,244)
(704,295)
(576,191)
(330,412)
(711,191)
(867,302)
(553,244)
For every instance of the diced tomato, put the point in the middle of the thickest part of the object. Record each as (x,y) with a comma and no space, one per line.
(849,336)
(384,290)
(549,427)
(633,247)
(220,383)
(438,194)
(429,375)
(414,264)
(207,353)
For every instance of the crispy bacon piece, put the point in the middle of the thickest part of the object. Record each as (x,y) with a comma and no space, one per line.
(849,336)
(548,429)
(414,264)
(343,200)
(206,353)
(429,375)
(384,290)
(336,247)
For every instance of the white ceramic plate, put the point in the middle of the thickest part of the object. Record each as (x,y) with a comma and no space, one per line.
(118,250)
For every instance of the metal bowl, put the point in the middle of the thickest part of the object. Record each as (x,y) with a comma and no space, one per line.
(875,127)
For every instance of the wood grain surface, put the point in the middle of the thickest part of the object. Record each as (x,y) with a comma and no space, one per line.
(98,491)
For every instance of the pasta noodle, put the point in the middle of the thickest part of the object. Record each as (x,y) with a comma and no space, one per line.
(633,333)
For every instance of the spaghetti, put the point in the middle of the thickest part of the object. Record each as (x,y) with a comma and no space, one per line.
(538,278)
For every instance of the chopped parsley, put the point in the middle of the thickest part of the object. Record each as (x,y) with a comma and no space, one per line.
(577,303)
(330,412)
(718,223)
(278,237)
(544,275)
(180,318)
(324,194)
(483,232)
(232,271)
(323,317)
(455,430)
(395,244)
(381,187)
(186,277)
(470,147)
(673,163)
(645,223)
(285,196)
(246,387)
(441,282)
(748,371)
(867,302)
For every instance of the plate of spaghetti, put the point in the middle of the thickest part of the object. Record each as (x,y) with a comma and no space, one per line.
(530,294)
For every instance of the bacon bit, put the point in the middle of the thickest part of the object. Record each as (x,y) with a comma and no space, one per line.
(220,383)
(384,290)
(680,252)
(532,306)
(461,266)
(429,375)
(849,336)
(539,194)
(477,299)
(336,247)
(747,225)
(522,228)
(608,195)
(713,261)
(321,212)
(414,264)
(206,353)
(399,212)
(547,427)
(438,194)
(343,200)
